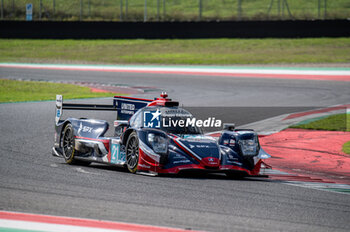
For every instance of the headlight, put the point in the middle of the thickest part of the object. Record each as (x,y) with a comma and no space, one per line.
(158,143)
(249,147)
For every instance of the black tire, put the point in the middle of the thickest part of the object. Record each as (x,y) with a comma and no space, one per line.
(68,147)
(68,144)
(132,152)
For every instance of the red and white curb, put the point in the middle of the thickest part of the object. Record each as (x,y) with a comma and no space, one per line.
(279,123)
(334,74)
(14,221)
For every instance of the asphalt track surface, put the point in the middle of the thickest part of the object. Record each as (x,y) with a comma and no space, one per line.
(31,180)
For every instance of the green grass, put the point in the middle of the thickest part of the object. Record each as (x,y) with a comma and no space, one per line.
(338,122)
(191,51)
(181,10)
(346,147)
(21,91)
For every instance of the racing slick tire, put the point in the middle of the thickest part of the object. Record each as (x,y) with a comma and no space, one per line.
(68,146)
(132,152)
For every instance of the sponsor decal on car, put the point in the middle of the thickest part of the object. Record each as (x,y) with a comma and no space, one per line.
(184,161)
(84,129)
(58,108)
(117,153)
(144,166)
(127,108)
(151,119)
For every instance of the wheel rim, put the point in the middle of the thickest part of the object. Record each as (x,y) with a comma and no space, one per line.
(68,143)
(132,153)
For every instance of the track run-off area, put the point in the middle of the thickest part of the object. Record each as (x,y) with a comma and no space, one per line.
(32,181)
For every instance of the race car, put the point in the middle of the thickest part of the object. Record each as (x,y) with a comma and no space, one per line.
(154,137)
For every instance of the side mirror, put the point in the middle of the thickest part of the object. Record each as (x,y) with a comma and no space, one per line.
(229,126)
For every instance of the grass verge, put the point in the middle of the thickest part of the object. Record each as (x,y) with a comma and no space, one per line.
(21,91)
(346,147)
(338,122)
(182,10)
(191,51)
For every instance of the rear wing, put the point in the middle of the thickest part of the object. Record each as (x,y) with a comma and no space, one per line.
(127,106)
(124,106)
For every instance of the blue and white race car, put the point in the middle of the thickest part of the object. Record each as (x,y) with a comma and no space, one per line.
(154,137)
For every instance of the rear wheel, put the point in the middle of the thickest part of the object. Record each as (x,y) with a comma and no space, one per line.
(68,146)
(132,152)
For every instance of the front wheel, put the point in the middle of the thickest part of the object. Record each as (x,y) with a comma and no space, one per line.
(132,152)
